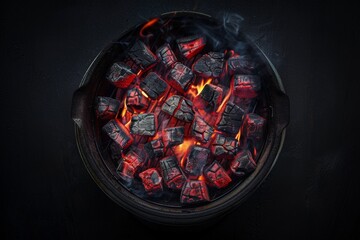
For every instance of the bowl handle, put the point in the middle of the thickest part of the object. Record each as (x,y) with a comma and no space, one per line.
(78,106)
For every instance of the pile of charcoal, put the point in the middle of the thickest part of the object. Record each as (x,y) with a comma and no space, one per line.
(182,120)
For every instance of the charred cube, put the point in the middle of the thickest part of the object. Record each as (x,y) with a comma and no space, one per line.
(135,100)
(209,65)
(120,75)
(166,55)
(130,164)
(173,136)
(118,133)
(201,130)
(106,107)
(246,86)
(209,98)
(153,86)
(115,151)
(254,126)
(142,55)
(247,104)
(194,191)
(143,124)
(125,171)
(191,46)
(151,180)
(224,147)
(216,175)
(243,164)
(196,160)
(155,148)
(242,64)
(180,77)
(129,62)
(231,119)
(173,177)
(179,107)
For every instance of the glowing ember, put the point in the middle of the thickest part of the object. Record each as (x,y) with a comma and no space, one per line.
(191,45)
(177,128)
(201,178)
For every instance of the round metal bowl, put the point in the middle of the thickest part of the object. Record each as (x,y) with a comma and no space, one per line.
(104,174)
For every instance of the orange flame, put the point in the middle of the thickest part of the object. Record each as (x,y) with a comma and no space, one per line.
(195,90)
(148,24)
(238,135)
(124,109)
(157,135)
(182,161)
(201,178)
(227,97)
(127,125)
(143,93)
(181,150)
(160,99)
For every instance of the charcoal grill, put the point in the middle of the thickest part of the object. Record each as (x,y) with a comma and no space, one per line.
(180,119)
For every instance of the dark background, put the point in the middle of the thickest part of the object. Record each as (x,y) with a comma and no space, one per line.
(46,193)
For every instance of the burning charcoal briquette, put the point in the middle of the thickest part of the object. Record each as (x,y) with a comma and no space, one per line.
(216,175)
(196,160)
(170,170)
(131,162)
(106,107)
(209,98)
(180,77)
(166,55)
(120,75)
(254,126)
(153,86)
(142,55)
(231,119)
(247,104)
(179,107)
(118,132)
(246,86)
(143,124)
(151,180)
(135,100)
(224,147)
(115,151)
(209,65)
(201,130)
(155,148)
(173,136)
(194,191)
(242,64)
(191,46)
(243,164)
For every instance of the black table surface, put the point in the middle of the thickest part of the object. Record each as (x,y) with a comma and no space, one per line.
(46,193)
